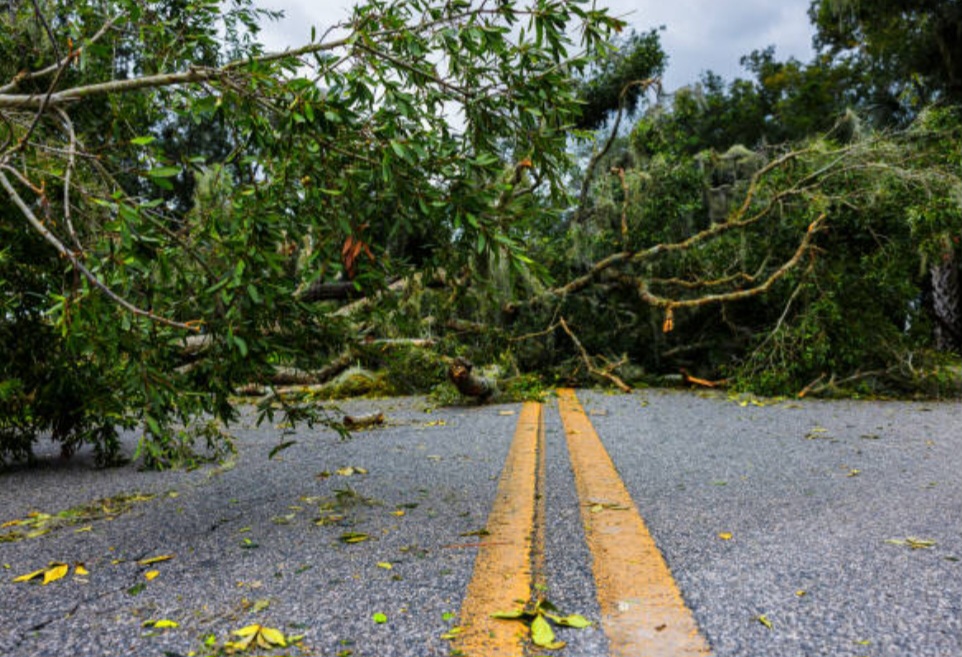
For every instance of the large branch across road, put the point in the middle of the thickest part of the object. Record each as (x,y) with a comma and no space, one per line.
(190,76)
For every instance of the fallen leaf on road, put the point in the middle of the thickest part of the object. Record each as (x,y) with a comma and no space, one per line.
(354,537)
(151,575)
(379,618)
(452,633)
(764,621)
(543,636)
(56,570)
(259,635)
(725,536)
(153,560)
(912,542)
(160,624)
(30,576)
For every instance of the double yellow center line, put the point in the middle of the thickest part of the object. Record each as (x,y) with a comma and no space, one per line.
(642,611)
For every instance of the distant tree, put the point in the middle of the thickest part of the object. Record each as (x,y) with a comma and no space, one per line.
(910,50)
(613,82)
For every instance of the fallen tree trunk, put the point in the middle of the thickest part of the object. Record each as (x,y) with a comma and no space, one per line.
(363,421)
(468,383)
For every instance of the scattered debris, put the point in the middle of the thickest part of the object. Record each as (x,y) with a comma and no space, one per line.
(355,422)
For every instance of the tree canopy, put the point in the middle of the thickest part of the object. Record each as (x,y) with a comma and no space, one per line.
(184,214)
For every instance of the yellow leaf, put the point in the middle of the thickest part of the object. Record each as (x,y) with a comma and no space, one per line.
(452,633)
(164,623)
(725,536)
(151,560)
(386,565)
(88,528)
(80,570)
(10,523)
(250,630)
(30,576)
(398,512)
(55,572)
(151,575)
(801,593)
(764,621)
(273,637)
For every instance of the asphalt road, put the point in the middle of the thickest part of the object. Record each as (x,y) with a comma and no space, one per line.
(786,525)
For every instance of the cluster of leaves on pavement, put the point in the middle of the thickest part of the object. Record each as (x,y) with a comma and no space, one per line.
(38,523)
(540,617)
(184,216)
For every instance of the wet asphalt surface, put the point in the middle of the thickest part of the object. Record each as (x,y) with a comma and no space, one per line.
(807,495)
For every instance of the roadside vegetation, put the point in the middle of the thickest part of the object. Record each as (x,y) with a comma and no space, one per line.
(186,219)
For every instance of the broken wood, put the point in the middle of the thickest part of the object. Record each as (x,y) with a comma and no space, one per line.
(605,373)
(363,421)
(469,384)
(704,383)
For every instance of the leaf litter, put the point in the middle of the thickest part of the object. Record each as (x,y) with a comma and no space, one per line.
(541,620)
(37,523)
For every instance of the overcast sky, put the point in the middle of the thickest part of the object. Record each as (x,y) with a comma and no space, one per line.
(699,35)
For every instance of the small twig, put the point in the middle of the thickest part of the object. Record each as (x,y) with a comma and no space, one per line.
(71,163)
(621,385)
(597,157)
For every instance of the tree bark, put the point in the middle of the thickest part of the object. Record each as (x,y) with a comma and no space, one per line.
(468,383)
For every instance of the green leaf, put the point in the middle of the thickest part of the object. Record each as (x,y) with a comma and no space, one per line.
(241,345)
(280,448)
(572,620)
(354,537)
(142,141)
(543,636)
(379,618)
(164,172)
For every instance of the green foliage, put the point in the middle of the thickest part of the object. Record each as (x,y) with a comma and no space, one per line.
(910,50)
(179,183)
(613,84)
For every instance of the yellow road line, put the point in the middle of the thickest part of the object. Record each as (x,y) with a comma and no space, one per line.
(643,613)
(504,570)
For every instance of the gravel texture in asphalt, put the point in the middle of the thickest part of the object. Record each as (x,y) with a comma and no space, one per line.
(810,493)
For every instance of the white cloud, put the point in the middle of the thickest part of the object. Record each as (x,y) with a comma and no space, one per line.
(699,35)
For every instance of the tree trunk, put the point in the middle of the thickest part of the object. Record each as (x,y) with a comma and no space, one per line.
(947,301)
(469,384)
